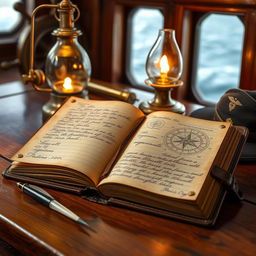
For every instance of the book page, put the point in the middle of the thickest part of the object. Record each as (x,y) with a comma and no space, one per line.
(170,155)
(83,135)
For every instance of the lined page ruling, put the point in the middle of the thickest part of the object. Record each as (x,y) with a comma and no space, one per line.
(83,135)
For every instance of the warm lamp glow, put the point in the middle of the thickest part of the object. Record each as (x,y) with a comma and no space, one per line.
(66,59)
(164,68)
(67,84)
(164,64)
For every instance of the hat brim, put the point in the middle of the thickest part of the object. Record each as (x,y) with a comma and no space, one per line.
(249,150)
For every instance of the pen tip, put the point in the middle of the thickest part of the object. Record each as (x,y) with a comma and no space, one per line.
(83,222)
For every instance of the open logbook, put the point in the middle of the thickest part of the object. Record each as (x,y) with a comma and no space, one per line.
(158,163)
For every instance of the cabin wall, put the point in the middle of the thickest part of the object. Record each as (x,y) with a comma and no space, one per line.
(105,27)
(105,24)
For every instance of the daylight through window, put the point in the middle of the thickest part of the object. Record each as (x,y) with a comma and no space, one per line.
(9,18)
(219,53)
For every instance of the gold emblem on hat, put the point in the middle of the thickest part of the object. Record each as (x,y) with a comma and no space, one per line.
(233,103)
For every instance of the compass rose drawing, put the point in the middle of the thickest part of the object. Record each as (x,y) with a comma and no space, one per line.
(186,140)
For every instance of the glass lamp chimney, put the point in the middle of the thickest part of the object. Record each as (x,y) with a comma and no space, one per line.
(68,66)
(164,63)
(164,67)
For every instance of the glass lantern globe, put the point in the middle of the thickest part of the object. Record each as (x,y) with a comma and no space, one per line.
(164,67)
(68,67)
(164,63)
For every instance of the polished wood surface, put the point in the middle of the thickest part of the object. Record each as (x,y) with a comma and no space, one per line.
(36,230)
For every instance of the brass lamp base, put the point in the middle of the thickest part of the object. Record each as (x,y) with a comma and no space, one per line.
(148,107)
(56,101)
(162,100)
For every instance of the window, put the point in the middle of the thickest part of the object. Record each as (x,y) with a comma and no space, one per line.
(9,18)
(144,26)
(218,58)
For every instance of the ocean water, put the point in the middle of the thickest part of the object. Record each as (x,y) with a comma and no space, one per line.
(220,55)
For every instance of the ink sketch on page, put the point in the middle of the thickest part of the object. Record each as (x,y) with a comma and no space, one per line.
(169,155)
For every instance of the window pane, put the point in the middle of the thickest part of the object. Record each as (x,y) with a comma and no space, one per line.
(145,24)
(9,18)
(219,56)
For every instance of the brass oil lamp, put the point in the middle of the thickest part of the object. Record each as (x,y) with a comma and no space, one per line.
(164,67)
(67,67)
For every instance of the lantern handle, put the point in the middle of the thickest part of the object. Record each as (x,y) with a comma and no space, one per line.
(36,77)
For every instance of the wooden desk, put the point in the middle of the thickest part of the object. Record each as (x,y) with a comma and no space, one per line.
(35,230)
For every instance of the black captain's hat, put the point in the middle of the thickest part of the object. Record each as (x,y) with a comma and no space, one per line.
(239,107)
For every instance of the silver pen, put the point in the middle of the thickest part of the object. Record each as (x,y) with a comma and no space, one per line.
(46,199)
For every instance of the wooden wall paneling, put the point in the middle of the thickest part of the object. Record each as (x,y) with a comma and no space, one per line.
(215,9)
(173,20)
(248,67)
(237,3)
(241,3)
(168,11)
(127,40)
(106,49)
(118,45)
(144,3)
(193,38)
(183,32)
(8,50)
(89,23)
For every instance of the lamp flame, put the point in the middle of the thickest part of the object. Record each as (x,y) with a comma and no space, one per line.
(164,64)
(67,83)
